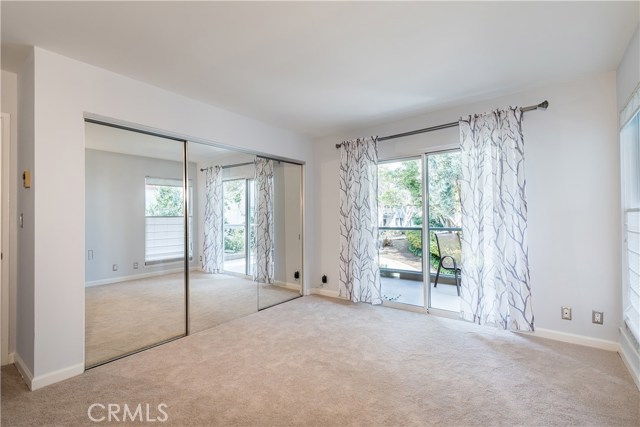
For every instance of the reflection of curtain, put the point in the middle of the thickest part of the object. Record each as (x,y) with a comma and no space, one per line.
(212,254)
(495,258)
(358,175)
(263,270)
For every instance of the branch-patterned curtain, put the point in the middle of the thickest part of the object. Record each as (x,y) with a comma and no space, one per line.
(212,253)
(359,272)
(496,288)
(263,270)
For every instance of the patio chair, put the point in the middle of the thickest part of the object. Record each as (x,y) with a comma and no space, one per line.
(449,249)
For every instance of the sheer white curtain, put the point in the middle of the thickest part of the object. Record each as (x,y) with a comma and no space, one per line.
(496,287)
(359,277)
(213,246)
(264,269)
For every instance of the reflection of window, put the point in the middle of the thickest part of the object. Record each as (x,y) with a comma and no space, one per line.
(164,220)
(238,227)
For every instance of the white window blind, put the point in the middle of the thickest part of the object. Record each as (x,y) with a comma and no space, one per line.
(630,155)
(164,220)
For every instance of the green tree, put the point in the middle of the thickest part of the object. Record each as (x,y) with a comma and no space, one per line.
(167,201)
(444,190)
(400,186)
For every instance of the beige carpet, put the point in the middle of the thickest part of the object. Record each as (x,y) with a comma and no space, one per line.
(126,316)
(315,361)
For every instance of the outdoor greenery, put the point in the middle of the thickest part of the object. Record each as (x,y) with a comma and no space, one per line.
(167,201)
(234,240)
(400,190)
(234,209)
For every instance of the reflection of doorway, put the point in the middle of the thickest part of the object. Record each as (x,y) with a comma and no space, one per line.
(238,203)
(404,254)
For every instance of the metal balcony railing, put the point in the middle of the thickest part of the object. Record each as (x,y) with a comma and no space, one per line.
(398,250)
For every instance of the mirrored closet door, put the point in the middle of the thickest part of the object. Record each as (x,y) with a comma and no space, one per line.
(174,250)
(221,286)
(134,241)
(278,239)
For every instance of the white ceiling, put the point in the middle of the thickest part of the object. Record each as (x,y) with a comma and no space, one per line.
(321,68)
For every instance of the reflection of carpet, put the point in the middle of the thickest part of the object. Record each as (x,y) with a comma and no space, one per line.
(126,316)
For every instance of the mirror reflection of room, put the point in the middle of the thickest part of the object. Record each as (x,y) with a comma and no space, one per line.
(244,234)
(134,242)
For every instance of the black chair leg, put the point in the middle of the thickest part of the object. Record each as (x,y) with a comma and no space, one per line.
(435,285)
(457,282)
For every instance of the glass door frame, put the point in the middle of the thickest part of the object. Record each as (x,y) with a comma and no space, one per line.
(403,305)
(426,230)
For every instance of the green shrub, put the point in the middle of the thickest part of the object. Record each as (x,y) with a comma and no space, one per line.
(233,240)
(414,239)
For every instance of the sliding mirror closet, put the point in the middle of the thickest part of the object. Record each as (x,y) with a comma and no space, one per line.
(182,236)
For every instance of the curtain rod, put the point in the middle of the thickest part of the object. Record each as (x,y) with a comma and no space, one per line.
(542,106)
(231,166)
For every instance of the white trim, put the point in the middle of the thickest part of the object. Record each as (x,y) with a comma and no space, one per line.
(23,370)
(136,276)
(56,376)
(326,292)
(630,356)
(574,339)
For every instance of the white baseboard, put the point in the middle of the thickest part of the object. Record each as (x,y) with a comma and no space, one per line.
(34,383)
(630,355)
(56,376)
(325,292)
(23,370)
(112,280)
(575,339)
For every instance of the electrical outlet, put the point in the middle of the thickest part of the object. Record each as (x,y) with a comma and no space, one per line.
(566,313)
(135,265)
(90,254)
(597,317)
(296,275)
(324,279)
(115,267)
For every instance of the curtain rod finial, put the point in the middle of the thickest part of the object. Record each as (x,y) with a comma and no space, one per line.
(543,105)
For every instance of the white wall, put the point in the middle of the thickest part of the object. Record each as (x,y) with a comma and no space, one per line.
(64,91)
(287,222)
(573,193)
(25,295)
(115,214)
(9,90)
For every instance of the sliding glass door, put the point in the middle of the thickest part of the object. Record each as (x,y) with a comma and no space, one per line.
(400,222)
(444,229)
(420,260)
